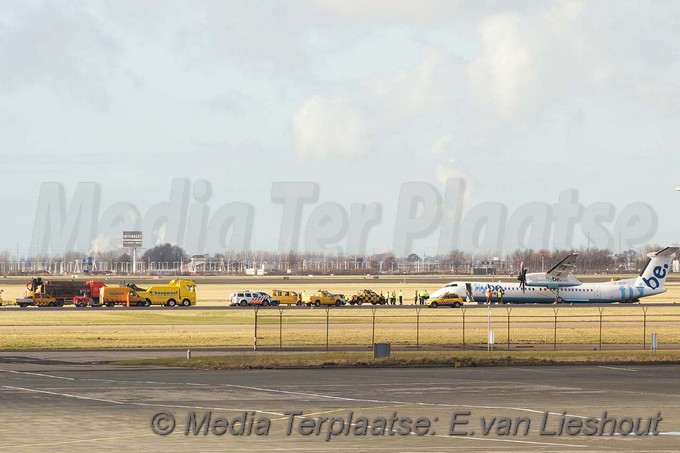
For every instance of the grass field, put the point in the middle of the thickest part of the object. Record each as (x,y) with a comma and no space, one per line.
(302,326)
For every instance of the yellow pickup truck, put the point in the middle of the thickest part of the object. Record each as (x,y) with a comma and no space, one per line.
(322,297)
(38,300)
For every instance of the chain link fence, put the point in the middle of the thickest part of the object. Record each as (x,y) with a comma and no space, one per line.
(510,328)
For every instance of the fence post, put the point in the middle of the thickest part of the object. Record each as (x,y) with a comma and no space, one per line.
(255,335)
(328,310)
(464,328)
(373,338)
(280,329)
(509,310)
(644,328)
(555,330)
(418,328)
(600,309)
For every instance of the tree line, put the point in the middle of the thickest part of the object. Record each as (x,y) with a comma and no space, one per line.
(590,260)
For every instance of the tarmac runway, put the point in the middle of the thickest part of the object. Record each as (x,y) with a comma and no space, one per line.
(71,402)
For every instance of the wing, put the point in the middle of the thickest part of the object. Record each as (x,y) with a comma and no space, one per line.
(564,267)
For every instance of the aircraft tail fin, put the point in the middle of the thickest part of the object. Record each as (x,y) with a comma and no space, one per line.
(653,275)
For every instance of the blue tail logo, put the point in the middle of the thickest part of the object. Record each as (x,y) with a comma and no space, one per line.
(659,273)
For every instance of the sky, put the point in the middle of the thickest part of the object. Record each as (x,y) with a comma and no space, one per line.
(521,100)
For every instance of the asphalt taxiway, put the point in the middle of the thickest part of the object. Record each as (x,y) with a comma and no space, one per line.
(77,403)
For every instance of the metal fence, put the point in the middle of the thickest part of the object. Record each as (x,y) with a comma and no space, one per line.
(504,328)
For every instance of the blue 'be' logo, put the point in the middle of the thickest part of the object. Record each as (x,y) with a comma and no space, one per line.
(658,273)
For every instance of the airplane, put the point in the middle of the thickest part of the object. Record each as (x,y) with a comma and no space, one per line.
(559,285)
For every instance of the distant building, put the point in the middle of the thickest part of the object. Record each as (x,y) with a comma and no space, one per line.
(263,269)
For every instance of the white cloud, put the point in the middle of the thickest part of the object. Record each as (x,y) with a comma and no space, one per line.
(330,127)
(427,84)
(505,71)
(103,243)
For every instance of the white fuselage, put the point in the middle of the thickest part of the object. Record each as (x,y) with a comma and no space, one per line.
(605,292)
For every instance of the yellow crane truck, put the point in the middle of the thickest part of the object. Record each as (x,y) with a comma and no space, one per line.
(176,292)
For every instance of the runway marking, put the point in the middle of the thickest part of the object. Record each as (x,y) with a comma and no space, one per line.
(344,398)
(39,374)
(131,403)
(9,387)
(617,368)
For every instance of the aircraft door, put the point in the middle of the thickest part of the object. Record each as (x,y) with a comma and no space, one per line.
(596,291)
(468,291)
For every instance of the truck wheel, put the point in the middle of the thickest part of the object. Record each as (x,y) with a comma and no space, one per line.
(275,303)
(23,305)
(140,304)
(51,304)
(172,303)
(433,305)
(317,303)
(243,303)
(148,303)
(186,303)
(338,303)
(60,303)
(456,304)
(383,302)
(110,304)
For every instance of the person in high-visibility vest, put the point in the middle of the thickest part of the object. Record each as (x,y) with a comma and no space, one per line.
(393,298)
(500,295)
(488,295)
(401,298)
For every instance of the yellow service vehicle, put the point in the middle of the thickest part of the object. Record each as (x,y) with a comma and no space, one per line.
(447,300)
(322,297)
(6,302)
(120,295)
(38,300)
(177,292)
(287,297)
(367,296)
